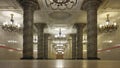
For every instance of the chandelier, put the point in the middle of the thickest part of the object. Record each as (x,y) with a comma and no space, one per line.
(108,26)
(60,42)
(60,35)
(11,26)
(61,4)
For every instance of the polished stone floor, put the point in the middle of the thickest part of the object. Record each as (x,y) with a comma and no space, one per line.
(59,64)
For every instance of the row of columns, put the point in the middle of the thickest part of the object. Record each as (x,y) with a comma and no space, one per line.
(42,41)
(29,6)
(40,33)
(77,47)
(91,7)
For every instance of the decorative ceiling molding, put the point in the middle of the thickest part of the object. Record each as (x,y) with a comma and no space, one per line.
(9,4)
(110,10)
(60,15)
(109,6)
(61,4)
(104,3)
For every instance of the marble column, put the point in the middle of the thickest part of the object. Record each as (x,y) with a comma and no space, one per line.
(79,36)
(91,7)
(29,7)
(73,36)
(40,27)
(46,35)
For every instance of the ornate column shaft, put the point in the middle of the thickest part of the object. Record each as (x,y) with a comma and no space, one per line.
(73,36)
(40,27)
(46,45)
(79,35)
(91,7)
(28,9)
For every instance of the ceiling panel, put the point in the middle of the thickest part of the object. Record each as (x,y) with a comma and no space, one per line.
(9,4)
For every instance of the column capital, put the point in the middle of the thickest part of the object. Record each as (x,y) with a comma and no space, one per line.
(40,25)
(79,25)
(29,3)
(90,4)
(47,34)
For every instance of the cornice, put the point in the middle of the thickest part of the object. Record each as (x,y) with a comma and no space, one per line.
(29,3)
(91,4)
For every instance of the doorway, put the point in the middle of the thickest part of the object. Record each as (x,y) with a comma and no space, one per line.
(59,56)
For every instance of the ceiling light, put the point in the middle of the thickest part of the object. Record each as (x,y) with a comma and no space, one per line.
(35,50)
(59,52)
(35,39)
(60,35)
(12,41)
(59,49)
(60,45)
(108,41)
(84,41)
(108,26)
(11,26)
(62,52)
(85,50)
(60,41)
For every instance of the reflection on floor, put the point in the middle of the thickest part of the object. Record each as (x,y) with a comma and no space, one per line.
(59,64)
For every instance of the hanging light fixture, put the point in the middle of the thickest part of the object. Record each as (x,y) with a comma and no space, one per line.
(60,42)
(108,26)
(60,38)
(61,4)
(11,26)
(60,35)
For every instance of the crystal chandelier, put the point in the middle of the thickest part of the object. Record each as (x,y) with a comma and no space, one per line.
(108,26)
(60,42)
(60,38)
(60,35)
(11,26)
(61,4)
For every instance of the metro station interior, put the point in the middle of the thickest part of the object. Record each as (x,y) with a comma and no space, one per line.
(60,32)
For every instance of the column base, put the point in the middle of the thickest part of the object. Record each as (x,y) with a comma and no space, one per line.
(27,58)
(79,58)
(68,59)
(40,58)
(51,59)
(93,58)
(73,58)
(45,58)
